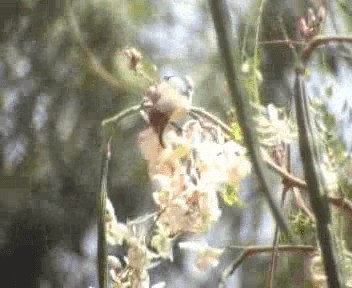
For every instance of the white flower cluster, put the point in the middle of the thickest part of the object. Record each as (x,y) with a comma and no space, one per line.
(134,274)
(187,175)
(189,168)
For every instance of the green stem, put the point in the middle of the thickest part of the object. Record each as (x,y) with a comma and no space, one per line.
(101,210)
(316,193)
(123,114)
(241,103)
(256,51)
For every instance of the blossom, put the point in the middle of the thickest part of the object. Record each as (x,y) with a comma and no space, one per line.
(115,232)
(188,174)
(206,256)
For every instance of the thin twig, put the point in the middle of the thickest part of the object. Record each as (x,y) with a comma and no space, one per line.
(212,118)
(342,203)
(301,204)
(256,51)
(200,112)
(291,180)
(274,255)
(93,63)
(101,210)
(321,41)
(288,42)
(276,239)
(253,250)
(123,114)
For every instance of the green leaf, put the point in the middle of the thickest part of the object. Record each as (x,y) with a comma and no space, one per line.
(237,134)
(230,194)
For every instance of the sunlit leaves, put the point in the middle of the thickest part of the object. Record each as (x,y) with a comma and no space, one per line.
(230,194)
(237,134)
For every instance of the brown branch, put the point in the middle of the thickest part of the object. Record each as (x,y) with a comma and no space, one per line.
(285,189)
(197,111)
(290,179)
(301,204)
(288,42)
(320,41)
(253,250)
(341,203)
(93,63)
(100,71)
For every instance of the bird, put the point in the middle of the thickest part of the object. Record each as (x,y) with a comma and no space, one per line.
(171,100)
(184,86)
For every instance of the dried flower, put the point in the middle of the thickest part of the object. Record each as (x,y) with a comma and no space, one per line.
(311,25)
(134,56)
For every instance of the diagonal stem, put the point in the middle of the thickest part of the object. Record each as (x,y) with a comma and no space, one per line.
(241,102)
(101,210)
(253,250)
(316,193)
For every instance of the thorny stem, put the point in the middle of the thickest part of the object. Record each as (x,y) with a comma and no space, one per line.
(290,180)
(276,239)
(317,194)
(311,45)
(253,250)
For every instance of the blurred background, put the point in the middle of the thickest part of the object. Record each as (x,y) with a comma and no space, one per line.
(52,102)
